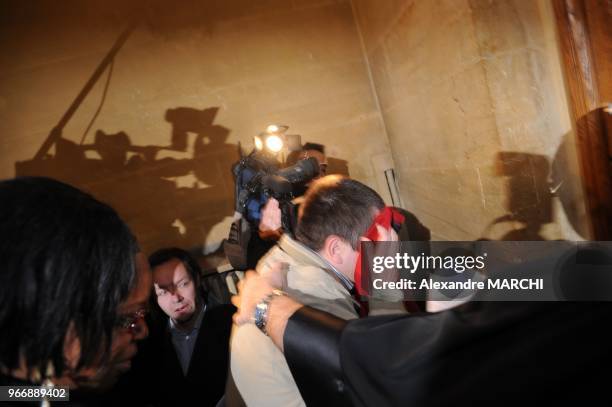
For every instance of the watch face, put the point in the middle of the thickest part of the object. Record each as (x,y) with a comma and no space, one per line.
(260,315)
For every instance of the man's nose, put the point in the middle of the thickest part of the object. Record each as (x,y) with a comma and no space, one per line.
(177,296)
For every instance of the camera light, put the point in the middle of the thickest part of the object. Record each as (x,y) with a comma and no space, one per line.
(258,143)
(273,128)
(274,143)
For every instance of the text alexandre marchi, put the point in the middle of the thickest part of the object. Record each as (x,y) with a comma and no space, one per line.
(460,264)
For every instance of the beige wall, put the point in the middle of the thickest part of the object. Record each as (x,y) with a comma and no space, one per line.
(469,95)
(230,67)
(474,106)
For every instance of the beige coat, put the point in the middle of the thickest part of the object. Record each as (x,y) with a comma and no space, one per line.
(258,367)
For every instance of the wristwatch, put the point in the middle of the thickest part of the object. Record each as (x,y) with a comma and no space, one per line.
(261,310)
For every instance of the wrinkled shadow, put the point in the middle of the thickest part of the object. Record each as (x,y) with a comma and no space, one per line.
(529,200)
(170,195)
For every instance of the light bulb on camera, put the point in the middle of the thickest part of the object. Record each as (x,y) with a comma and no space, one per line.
(273,128)
(274,143)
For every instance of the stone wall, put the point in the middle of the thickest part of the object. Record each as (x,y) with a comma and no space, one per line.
(474,105)
(159,131)
(465,98)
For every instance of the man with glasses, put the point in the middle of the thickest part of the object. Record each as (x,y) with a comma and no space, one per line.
(185,359)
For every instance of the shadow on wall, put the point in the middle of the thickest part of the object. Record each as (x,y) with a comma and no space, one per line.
(170,195)
(167,201)
(529,200)
(532,182)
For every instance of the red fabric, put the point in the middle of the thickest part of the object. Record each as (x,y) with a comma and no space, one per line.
(386,218)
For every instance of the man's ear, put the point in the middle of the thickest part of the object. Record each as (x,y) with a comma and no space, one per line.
(333,248)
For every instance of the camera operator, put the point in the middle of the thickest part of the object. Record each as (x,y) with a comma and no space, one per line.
(314,150)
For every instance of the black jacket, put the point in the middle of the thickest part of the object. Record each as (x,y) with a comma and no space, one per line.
(157,379)
(488,353)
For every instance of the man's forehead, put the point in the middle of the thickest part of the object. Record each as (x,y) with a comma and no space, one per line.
(169,272)
(321,158)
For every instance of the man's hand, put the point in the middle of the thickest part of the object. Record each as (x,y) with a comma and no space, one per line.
(270,225)
(251,290)
(275,272)
(254,287)
(388,249)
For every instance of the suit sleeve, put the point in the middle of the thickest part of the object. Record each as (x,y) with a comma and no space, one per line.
(311,344)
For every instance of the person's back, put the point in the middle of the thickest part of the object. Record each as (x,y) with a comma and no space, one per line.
(259,369)
(321,262)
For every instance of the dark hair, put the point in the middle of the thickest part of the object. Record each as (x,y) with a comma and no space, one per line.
(314,146)
(193,268)
(336,205)
(68,259)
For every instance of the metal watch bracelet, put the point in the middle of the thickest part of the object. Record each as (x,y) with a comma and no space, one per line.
(261,310)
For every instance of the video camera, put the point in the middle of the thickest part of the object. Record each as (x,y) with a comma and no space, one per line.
(258,178)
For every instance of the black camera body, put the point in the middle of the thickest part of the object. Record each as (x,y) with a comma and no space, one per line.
(258,178)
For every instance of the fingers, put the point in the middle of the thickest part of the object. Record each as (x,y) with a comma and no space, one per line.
(383,233)
(276,274)
(236,300)
(272,202)
(393,237)
(270,216)
(386,235)
(235,318)
(251,290)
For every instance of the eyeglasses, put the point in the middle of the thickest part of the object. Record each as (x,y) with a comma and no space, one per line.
(130,321)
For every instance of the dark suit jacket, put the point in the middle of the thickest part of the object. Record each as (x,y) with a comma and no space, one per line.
(157,379)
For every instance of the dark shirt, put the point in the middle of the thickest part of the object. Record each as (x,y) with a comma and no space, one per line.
(157,378)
